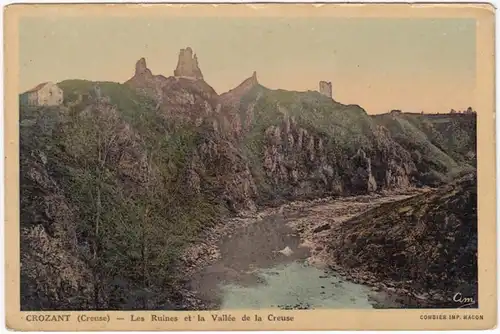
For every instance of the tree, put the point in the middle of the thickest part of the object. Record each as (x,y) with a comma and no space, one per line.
(94,138)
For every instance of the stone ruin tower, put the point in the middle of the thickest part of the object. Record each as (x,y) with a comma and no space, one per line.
(325,88)
(187,66)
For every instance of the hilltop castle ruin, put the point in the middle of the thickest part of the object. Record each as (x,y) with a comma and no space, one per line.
(325,88)
(187,66)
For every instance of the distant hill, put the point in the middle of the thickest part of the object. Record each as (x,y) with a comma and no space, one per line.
(454,134)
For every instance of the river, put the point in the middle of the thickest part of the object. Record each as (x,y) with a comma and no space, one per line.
(265,264)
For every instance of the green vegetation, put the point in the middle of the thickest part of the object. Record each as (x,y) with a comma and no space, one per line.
(454,134)
(442,147)
(343,129)
(127,100)
(121,173)
(349,125)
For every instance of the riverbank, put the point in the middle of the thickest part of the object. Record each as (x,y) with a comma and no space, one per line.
(423,247)
(315,223)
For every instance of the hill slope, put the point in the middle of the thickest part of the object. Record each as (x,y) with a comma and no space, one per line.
(442,146)
(427,243)
(303,144)
(104,201)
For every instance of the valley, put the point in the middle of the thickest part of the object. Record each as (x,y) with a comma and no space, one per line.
(160,193)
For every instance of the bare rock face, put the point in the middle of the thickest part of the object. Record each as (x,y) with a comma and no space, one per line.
(363,179)
(391,164)
(217,163)
(187,65)
(295,161)
(144,80)
(325,88)
(300,162)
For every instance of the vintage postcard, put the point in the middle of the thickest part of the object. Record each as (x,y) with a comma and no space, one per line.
(250,167)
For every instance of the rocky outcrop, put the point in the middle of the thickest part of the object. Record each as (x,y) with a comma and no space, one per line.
(299,162)
(53,276)
(187,101)
(218,167)
(144,81)
(295,158)
(187,65)
(296,163)
(215,164)
(438,145)
(179,99)
(392,166)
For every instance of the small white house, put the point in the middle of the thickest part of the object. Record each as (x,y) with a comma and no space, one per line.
(44,94)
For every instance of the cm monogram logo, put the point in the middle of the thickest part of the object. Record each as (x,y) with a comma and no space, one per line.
(464,301)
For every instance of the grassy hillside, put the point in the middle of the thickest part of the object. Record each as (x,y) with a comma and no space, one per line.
(103,186)
(127,100)
(441,146)
(348,124)
(454,134)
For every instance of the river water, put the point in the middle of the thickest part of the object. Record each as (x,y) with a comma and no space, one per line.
(252,273)
(295,285)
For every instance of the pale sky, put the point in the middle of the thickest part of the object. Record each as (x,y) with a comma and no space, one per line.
(380,64)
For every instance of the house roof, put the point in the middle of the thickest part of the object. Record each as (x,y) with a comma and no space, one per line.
(37,87)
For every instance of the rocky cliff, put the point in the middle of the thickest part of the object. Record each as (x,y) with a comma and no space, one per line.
(63,158)
(236,121)
(303,144)
(177,98)
(442,146)
(306,145)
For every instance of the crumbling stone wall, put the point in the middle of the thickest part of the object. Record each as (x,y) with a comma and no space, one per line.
(325,88)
